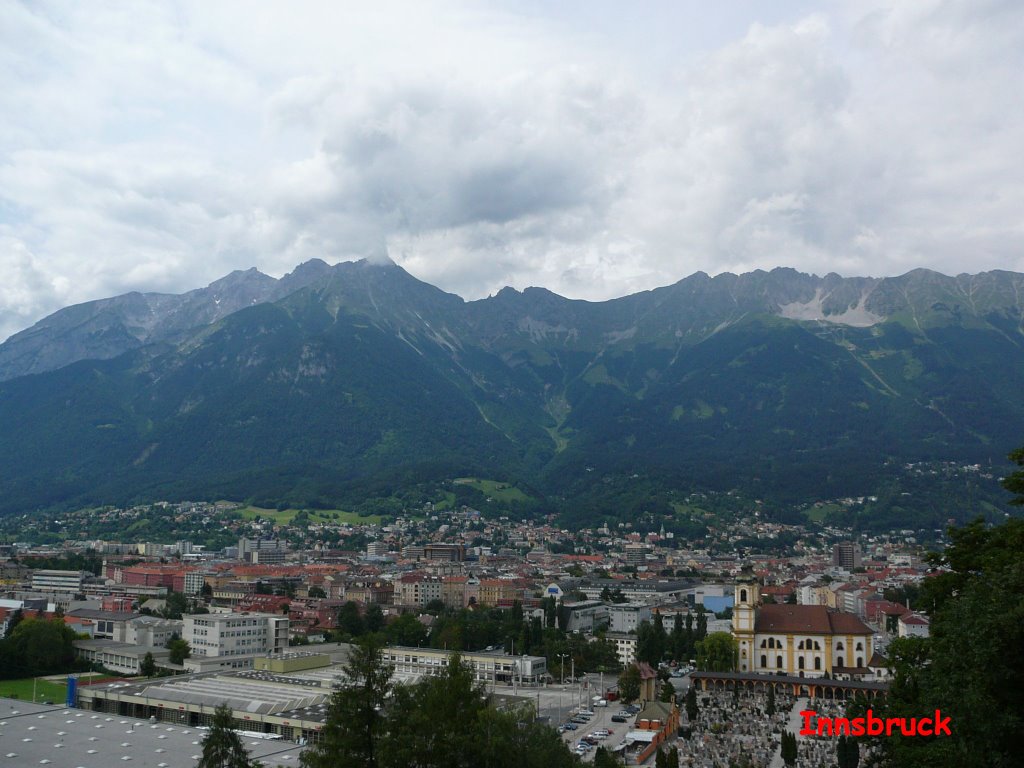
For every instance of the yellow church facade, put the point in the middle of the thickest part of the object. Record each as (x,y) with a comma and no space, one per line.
(797,640)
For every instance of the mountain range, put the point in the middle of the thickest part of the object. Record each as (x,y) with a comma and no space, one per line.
(338,384)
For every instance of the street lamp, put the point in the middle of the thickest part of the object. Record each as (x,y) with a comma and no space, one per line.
(563,657)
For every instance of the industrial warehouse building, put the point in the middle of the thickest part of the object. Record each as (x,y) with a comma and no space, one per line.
(285,695)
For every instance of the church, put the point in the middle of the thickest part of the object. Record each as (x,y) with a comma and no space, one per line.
(797,640)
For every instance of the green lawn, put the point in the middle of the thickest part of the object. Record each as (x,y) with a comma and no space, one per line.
(818,514)
(689,511)
(285,516)
(498,491)
(448,502)
(45,690)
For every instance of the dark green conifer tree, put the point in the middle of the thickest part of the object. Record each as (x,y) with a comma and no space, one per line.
(222,747)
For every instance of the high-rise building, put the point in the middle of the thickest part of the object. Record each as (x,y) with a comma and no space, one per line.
(846,554)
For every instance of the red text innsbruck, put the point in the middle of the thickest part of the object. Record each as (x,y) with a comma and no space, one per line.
(873,726)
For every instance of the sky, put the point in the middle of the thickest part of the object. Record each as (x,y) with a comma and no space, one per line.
(593,148)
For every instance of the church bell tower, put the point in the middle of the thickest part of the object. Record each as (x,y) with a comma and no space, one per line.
(743,616)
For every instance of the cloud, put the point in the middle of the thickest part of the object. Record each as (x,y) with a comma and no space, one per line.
(158,147)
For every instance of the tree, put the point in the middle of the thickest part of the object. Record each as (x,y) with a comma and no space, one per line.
(148,665)
(676,638)
(351,733)
(406,630)
(668,692)
(969,668)
(41,646)
(770,709)
(206,590)
(175,605)
(317,592)
(847,752)
(1014,482)
(629,683)
(180,650)
(222,747)
(650,643)
(789,751)
(691,704)
(606,595)
(717,652)
(16,618)
(605,759)
(429,723)
(374,619)
(510,739)
(350,621)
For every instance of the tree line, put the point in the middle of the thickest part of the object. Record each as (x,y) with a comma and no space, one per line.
(35,646)
(446,721)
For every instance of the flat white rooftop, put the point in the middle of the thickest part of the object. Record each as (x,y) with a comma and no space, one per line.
(37,735)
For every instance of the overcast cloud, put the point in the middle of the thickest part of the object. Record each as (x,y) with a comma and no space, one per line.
(594,148)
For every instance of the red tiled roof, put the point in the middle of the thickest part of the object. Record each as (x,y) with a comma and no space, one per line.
(808,619)
(646,673)
(914,618)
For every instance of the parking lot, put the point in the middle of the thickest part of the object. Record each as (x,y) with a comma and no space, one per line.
(557,702)
(601,719)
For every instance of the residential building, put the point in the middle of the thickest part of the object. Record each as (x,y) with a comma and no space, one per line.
(418,589)
(914,625)
(625,646)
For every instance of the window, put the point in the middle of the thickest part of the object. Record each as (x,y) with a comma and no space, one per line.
(743,595)
(778,662)
(800,662)
(764,661)
(817,662)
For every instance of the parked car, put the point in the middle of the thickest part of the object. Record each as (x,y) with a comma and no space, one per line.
(619,718)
